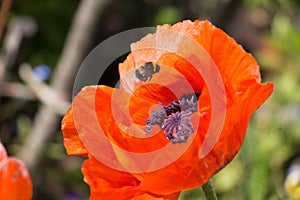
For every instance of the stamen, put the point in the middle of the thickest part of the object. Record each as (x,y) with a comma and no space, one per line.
(174,119)
(173,107)
(189,104)
(157,117)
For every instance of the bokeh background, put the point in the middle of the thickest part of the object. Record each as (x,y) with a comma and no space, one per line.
(37,32)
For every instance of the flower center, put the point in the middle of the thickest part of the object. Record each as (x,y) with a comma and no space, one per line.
(174,119)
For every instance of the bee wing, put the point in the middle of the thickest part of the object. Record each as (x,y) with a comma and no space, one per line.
(139,74)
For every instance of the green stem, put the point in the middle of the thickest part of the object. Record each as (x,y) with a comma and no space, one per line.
(209,191)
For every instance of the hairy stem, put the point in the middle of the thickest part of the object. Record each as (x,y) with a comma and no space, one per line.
(209,191)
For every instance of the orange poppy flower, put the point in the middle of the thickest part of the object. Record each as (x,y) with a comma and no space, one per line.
(186,96)
(15,182)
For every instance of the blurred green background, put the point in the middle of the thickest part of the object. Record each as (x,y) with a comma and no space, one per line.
(269,29)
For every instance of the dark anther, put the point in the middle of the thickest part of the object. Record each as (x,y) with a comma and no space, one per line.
(189,104)
(173,107)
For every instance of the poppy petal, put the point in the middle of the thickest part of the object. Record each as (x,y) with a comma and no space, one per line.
(103,184)
(14,180)
(146,97)
(147,196)
(101,180)
(230,58)
(72,141)
(106,110)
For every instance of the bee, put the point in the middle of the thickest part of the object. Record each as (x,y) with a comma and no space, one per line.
(145,72)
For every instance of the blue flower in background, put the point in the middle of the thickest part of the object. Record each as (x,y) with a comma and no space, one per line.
(43,72)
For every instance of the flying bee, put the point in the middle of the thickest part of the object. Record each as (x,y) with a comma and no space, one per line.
(145,72)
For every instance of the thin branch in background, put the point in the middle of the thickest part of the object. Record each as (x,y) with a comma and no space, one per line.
(76,46)
(20,29)
(35,89)
(5,7)
(43,92)
(16,90)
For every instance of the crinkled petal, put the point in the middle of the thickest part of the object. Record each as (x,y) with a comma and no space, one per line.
(107,183)
(72,142)
(231,59)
